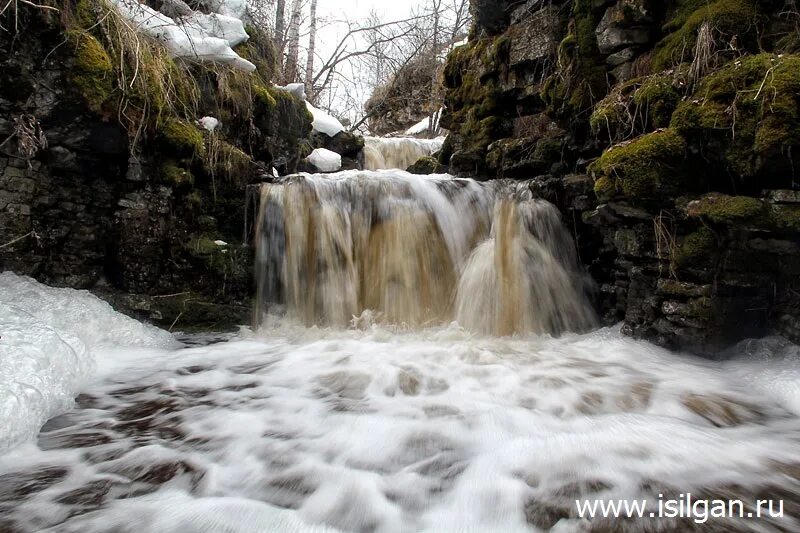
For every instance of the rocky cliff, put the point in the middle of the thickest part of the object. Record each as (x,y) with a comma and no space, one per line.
(111,179)
(667,132)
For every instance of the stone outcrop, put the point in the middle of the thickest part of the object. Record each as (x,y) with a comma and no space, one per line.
(667,133)
(116,187)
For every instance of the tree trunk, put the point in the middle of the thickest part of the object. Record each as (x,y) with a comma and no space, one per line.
(290,71)
(433,117)
(280,29)
(312,42)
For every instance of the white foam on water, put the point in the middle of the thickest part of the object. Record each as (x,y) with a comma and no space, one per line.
(47,340)
(294,429)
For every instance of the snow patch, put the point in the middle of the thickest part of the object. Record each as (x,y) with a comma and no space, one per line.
(208,123)
(199,36)
(324,123)
(424,125)
(325,160)
(297,89)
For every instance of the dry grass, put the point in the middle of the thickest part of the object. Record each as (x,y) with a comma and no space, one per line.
(666,245)
(151,83)
(704,51)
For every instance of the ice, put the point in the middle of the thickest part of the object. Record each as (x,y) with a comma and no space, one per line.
(324,123)
(47,342)
(325,160)
(205,37)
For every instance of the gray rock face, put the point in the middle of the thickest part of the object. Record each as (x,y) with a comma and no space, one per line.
(535,37)
(624,24)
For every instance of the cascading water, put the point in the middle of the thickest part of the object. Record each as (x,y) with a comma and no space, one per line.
(428,427)
(417,251)
(397,152)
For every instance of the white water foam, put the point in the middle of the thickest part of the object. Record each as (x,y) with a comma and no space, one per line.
(47,340)
(378,430)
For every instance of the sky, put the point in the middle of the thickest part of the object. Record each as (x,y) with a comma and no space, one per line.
(391,9)
(332,13)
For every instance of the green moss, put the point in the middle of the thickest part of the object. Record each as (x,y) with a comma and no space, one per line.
(93,72)
(87,13)
(260,51)
(176,176)
(659,95)
(581,79)
(182,136)
(265,96)
(751,107)
(728,18)
(697,248)
(605,188)
(229,163)
(647,167)
(722,209)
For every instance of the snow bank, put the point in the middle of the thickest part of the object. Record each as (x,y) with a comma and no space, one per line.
(325,160)
(198,36)
(46,340)
(423,125)
(324,123)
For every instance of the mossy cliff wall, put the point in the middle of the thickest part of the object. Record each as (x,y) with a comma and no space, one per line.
(668,132)
(107,180)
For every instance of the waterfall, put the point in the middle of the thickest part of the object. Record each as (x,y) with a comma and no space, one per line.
(416,251)
(397,152)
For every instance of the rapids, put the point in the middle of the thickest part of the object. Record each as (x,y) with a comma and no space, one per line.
(315,429)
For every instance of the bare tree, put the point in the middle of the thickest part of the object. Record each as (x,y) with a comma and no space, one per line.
(280,28)
(293,45)
(312,43)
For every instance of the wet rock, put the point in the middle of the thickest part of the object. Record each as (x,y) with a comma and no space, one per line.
(544,515)
(19,485)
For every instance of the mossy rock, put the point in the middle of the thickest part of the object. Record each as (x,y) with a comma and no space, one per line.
(728,18)
(265,96)
(182,137)
(640,105)
(426,165)
(260,51)
(786,217)
(176,176)
(650,166)
(750,109)
(744,211)
(729,210)
(580,81)
(696,249)
(228,162)
(93,71)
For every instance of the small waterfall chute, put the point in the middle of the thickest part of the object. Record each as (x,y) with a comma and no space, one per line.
(397,152)
(416,251)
